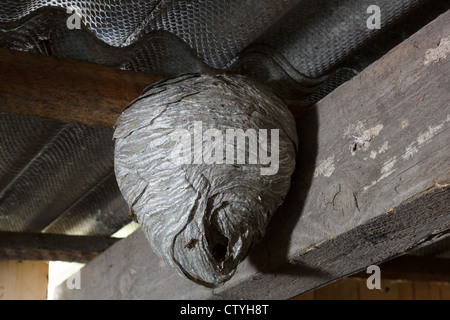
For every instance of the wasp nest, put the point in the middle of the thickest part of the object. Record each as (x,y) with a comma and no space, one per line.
(203,162)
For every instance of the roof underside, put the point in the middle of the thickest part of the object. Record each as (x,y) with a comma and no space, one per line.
(59,177)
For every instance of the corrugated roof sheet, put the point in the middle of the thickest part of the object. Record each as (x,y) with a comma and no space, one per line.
(58,178)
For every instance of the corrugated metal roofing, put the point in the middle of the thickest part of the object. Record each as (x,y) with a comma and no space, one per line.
(58,178)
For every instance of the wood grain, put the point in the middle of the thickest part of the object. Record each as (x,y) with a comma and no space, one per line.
(67,90)
(23,280)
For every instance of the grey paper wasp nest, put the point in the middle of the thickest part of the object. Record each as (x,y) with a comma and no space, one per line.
(203,162)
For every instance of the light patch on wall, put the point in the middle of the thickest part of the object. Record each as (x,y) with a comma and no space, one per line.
(126,230)
(58,272)
(325,167)
(439,53)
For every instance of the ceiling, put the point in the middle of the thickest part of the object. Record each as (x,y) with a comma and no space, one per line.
(59,177)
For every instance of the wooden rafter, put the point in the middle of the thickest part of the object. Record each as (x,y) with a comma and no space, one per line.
(51,247)
(67,90)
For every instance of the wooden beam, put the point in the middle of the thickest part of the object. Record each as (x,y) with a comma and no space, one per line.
(372,182)
(67,90)
(51,247)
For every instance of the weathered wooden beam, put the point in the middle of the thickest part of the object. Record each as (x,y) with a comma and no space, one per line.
(51,247)
(372,182)
(67,90)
